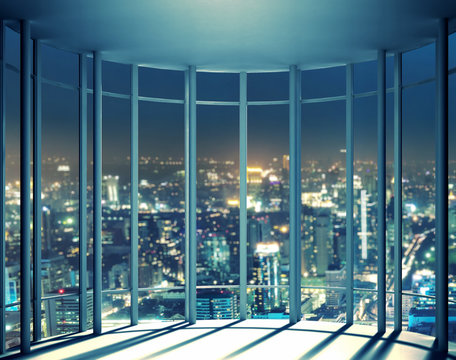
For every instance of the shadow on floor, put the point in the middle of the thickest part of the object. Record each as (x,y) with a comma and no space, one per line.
(377,346)
(323,344)
(189,341)
(121,345)
(152,334)
(257,342)
(371,343)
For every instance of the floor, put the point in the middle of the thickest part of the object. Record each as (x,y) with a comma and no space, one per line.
(234,339)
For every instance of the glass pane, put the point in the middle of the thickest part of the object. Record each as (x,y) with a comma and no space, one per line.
(268,249)
(12,47)
(419,313)
(389,193)
(267,303)
(115,310)
(390,311)
(218,195)
(13,327)
(90,74)
(161,305)
(217,304)
(323,197)
(267,86)
(168,84)
(161,195)
(365,193)
(418,64)
(12,192)
(116,77)
(389,71)
(60,190)
(59,65)
(323,82)
(323,305)
(365,77)
(61,316)
(116,193)
(418,188)
(452,51)
(217,86)
(365,311)
(90,190)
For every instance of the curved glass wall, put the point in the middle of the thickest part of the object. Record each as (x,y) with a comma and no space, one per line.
(162,257)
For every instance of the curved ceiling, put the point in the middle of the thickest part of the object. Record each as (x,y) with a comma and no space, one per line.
(233,35)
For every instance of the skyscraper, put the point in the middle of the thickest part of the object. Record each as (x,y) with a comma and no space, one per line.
(363,224)
(322,229)
(216,304)
(267,272)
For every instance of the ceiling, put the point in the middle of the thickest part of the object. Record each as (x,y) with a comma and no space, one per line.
(233,35)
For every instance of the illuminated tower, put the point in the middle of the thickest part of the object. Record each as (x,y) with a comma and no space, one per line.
(267,272)
(216,255)
(363,224)
(322,229)
(286,162)
(111,189)
(212,304)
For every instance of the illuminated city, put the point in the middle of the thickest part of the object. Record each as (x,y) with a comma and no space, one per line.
(161,234)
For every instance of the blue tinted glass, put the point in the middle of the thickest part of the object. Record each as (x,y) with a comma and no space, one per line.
(217,86)
(267,86)
(168,84)
(323,82)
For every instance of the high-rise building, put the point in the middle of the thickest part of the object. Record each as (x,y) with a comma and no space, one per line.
(62,314)
(11,281)
(363,224)
(335,277)
(119,276)
(111,189)
(322,236)
(267,272)
(254,175)
(286,162)
(216,304)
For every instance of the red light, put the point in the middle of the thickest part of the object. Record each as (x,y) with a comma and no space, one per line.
(61,291)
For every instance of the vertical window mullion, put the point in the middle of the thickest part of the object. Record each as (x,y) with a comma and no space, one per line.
(25,101)
(295,193)
(349,194)
(381,200)
(398,192)
(441,178)
(134,195)
(97,192)
(37,125)
(190,195)
(243,194)
(82,192)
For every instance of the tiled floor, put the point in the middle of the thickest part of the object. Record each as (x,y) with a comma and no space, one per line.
(250,339)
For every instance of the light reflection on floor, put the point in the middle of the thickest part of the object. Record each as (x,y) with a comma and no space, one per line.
(234,339)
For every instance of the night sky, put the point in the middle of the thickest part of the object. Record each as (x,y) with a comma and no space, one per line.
(162,125)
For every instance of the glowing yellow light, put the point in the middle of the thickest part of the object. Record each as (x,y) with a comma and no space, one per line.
(254,170)
(451,196)
(232,202)
(284,229)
